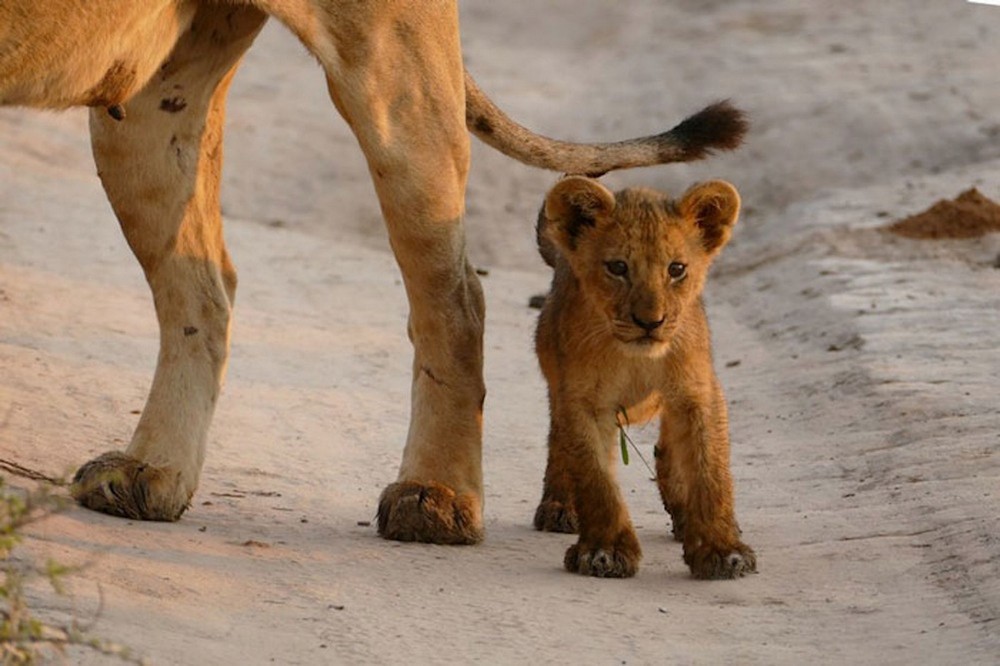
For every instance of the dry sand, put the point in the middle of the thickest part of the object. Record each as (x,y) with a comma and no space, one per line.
(861,367)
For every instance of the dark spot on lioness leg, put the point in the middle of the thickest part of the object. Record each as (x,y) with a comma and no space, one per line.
(173,104)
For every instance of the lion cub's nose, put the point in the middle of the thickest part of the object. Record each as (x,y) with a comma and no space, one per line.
(648,326)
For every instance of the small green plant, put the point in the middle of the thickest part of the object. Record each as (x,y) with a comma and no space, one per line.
(24,638)
(624,441)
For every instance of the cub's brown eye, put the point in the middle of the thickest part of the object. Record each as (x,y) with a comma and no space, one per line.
(616,268)
(676,270)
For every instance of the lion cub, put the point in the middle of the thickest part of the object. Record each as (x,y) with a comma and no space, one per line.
(623,331)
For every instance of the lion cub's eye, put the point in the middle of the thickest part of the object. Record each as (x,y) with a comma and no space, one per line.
(676,270)
(617,268)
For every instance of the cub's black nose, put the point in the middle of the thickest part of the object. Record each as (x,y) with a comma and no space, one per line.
(648,326)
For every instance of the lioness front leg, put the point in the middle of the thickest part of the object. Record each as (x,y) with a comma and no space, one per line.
(697,487)
(395,74)
(608,546)
(160,167)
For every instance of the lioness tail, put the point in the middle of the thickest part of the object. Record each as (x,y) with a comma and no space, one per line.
(719,126)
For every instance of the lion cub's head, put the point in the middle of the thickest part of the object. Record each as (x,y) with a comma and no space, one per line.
(640,258)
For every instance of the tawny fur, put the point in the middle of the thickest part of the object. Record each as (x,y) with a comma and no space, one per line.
(623,336)
(156,74)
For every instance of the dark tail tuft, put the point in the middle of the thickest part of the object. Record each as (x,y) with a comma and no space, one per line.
(719,126)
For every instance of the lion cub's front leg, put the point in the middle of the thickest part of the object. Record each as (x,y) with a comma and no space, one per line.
(692,469)
(584,452)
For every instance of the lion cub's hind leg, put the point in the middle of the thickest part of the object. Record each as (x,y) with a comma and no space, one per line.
(671,495)
(556,511)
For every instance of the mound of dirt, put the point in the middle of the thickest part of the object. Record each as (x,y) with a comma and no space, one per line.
(969,215)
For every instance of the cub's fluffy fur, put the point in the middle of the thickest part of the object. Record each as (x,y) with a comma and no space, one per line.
(623,332)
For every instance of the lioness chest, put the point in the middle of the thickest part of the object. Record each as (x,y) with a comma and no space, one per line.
(99,53)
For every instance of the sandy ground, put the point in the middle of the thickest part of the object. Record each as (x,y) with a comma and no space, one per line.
(861,368)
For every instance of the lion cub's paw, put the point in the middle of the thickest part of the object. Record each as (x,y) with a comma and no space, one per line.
(556,516)
(619,560)
(430,513)
(120,485)
(714,563)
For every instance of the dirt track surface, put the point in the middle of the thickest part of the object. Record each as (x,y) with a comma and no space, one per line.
(861,367)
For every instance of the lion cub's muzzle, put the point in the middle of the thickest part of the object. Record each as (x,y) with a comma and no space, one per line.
(643,336)
(650,325)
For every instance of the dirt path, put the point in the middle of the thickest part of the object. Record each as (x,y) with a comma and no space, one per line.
(861,368)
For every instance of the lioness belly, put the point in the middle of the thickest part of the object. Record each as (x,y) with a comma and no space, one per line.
(62,53)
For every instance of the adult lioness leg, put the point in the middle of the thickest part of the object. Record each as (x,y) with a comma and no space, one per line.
(160,168)
(397,78)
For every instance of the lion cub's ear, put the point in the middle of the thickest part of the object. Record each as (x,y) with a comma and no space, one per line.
(713,207)
(574,204)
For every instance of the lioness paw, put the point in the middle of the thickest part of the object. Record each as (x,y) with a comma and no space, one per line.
(715,563)
(556,516)
(120,485)
(430,513)
(620,560)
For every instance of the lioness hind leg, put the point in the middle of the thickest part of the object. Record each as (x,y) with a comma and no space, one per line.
(160,167)
(395,73)
(693,475)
